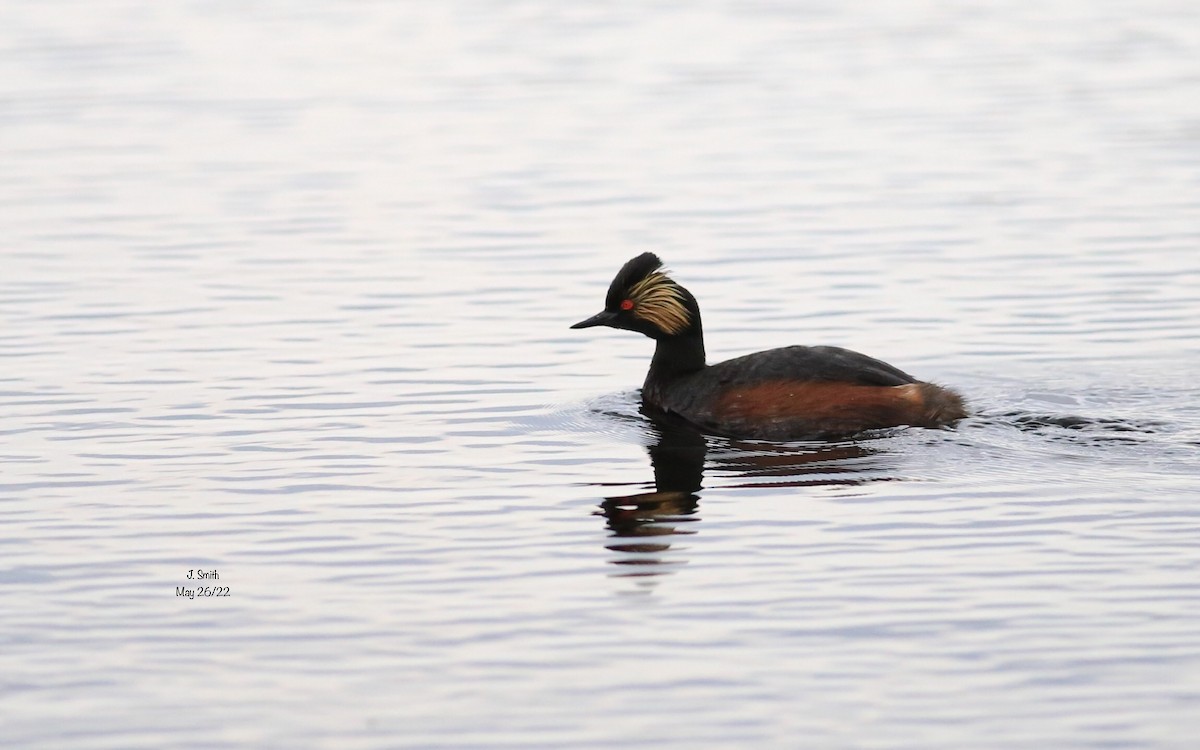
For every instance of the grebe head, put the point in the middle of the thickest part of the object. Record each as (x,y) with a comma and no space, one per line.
(643,298)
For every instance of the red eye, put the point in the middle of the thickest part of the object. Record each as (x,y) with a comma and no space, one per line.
(627,304)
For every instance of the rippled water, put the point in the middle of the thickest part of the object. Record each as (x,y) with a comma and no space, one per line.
(285,296)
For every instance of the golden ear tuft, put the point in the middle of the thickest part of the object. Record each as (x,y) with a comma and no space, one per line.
(658,301)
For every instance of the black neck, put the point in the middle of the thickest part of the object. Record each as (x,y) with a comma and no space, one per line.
(675,356)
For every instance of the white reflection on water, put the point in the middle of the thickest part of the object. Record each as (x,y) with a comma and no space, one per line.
(285,293)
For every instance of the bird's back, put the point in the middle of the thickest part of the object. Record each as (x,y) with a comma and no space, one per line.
(801,391)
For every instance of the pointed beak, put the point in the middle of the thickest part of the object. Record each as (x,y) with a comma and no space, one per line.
(602,318)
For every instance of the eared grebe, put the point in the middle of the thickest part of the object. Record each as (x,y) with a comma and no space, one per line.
(780,394)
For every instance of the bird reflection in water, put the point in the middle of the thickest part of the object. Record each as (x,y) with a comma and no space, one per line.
(642,524)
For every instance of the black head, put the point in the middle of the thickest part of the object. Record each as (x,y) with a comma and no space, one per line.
(643,298)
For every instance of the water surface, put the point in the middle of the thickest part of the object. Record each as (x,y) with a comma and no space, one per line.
(285,296)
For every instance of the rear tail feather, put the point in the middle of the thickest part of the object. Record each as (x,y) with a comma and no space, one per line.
(942,405)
